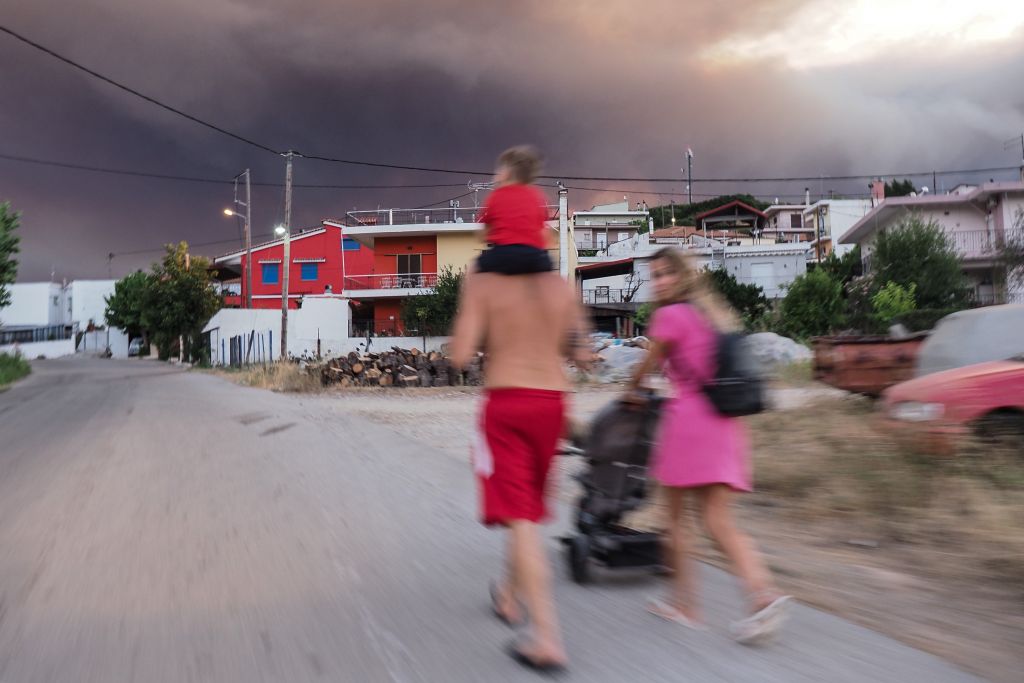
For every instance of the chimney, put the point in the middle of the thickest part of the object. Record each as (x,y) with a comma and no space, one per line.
(877,192)
(807,196)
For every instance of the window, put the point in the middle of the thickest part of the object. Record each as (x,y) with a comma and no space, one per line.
(796,221)
(349,244)
(309,271)
(409,263)
(270,273)
(623,236)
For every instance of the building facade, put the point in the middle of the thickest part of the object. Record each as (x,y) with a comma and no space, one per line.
(320,259)
(607,224)
(410,248)
(976,219)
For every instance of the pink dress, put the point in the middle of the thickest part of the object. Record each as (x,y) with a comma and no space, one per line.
(696,445)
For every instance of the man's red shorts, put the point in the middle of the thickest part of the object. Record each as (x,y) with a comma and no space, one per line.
(519,435)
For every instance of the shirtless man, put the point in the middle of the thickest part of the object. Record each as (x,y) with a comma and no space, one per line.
(528,325)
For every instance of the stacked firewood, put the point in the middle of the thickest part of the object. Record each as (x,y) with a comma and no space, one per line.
(396,368)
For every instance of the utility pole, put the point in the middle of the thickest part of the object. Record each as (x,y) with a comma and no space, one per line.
(248,240)
(563,231)
(286,261)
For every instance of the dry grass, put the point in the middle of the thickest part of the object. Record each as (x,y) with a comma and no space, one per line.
(829,468)
(829,462)
(796,374)
(284,377)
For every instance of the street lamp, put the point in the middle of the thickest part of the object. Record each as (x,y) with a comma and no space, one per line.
(279,230)
(247,217)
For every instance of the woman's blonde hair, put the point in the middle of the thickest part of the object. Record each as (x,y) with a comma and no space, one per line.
(693,287)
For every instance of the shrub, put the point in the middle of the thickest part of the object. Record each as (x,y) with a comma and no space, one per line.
(892,301)
(915,252)
(813,306)
(12,368)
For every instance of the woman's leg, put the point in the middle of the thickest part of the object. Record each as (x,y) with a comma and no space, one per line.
(716,505)
(679,549)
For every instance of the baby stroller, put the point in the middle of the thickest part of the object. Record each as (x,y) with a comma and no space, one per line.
(615,482)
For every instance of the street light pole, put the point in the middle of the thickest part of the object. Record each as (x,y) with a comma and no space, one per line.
(286,261)
(248,241)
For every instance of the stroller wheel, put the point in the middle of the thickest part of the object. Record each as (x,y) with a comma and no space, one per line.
(578,555)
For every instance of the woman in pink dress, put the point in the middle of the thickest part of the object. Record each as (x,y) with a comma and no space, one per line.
(698,450)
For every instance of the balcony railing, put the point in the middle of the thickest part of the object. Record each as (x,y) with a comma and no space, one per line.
(420,216)
(391,281)
(981,243)
(608,296)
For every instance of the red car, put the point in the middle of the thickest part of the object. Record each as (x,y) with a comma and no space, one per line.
(936,411)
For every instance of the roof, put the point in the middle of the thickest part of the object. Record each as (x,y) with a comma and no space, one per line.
(675,231)
(309,232)
(881,214)
(776,208)
(592,271)
(732,204)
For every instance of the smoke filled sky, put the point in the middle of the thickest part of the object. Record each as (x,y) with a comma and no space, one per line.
(757,88)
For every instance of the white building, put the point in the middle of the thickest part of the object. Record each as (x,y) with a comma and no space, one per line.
(607,224)
(976,220)
(829,220)
(45,318)
(785,223)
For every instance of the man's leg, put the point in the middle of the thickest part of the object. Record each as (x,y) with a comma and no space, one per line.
(532,580)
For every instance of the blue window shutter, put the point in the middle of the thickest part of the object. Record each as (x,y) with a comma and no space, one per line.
(309,271)
(270,273)
(349,244)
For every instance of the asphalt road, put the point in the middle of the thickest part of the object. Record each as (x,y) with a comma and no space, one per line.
(164,525)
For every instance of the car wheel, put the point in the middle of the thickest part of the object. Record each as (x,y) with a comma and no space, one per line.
(1001,430)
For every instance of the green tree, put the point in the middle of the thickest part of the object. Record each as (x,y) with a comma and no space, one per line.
(179,300)
(899,188)
(642,317)
(433,313)
(892,301)
(8,249)
(813,306)
(844,268)
(125,305)
(915,252)
(748,299)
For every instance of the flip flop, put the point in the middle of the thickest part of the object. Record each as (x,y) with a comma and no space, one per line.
(763,624)
(663,610)
(547,668)
(502,617)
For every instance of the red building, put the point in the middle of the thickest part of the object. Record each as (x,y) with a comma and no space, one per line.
(321,258)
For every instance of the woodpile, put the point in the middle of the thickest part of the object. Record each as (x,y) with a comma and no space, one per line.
(396,368)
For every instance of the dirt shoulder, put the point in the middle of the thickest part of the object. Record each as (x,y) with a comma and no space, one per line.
(928,552)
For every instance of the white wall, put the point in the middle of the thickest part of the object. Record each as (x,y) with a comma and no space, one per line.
(47,349)
(321,317)
(771,272)
(34,303)
(86,301)
(97,342)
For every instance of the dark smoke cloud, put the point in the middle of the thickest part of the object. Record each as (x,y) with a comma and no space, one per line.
(604,88)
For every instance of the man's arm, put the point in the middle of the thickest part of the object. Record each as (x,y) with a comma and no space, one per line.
(578,348)
(468,330)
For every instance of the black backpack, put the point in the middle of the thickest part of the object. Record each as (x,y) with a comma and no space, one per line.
(737,388)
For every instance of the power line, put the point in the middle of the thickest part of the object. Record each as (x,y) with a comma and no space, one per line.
(213,181)
(431,169)
(135,92)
